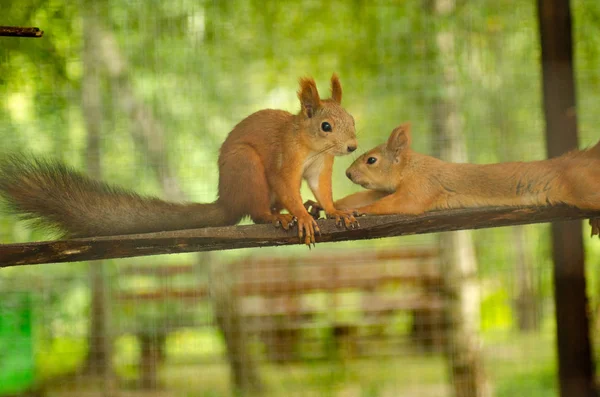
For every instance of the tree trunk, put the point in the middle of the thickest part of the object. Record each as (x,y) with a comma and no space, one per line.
(576,367)
(244,373)
(149,360)
(526,304)
(148,133)
(511,148)
(459,264)
(100,342)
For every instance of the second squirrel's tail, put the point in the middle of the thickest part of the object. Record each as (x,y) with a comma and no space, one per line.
(54,195)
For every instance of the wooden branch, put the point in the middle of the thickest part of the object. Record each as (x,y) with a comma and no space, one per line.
(233,237)
(16,31)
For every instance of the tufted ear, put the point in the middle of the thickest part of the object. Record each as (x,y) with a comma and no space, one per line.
(336,89)
(399,140)
(309,96)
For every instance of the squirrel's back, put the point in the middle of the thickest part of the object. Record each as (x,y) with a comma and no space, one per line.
(262,130)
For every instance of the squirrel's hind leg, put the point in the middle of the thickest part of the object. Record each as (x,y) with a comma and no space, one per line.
(243,187)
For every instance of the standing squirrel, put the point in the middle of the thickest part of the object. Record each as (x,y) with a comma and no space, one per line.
(261,166)
(401,181)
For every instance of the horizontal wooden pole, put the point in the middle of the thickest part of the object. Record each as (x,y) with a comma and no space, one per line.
(234,237)
(17,31)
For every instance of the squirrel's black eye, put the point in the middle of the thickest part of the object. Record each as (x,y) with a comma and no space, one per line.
(325,126)
(371,160)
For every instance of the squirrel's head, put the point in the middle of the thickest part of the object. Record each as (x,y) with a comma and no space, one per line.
(381,168)
(329,128)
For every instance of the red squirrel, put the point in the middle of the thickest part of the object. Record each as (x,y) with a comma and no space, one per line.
(262,163)
(402,181)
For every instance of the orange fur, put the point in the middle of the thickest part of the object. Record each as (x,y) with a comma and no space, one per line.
(336,89)
(288,148)
(402,181)
(262,163)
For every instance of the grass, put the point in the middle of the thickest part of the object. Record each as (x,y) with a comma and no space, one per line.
(516,364)
(522,364)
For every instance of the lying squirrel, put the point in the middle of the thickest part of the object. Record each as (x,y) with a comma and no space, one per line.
(261,166)
(401,181)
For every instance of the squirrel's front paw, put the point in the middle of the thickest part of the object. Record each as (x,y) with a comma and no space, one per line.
(313,208)
(286,221)
(307,228)
(345,217)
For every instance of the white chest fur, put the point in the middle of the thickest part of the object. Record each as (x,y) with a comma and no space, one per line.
(312,168)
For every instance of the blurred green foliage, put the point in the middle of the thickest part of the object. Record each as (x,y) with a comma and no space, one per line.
(201,66)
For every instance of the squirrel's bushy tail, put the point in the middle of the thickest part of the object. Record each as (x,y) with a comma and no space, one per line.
(54,195)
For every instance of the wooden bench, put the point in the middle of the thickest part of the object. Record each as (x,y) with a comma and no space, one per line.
(283,298)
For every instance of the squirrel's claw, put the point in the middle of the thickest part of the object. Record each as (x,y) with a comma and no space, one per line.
(338,221)
(285,221)
(307,228)
(350,222)
(355,225)
(345,218)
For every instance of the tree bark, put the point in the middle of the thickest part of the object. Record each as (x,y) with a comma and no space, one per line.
(18,31)
(525,298)
(244,369)
(575,364)
(148,133)
(459,264)
(510,148)
(146,130)
(99,338)
(149,360)
(247,236)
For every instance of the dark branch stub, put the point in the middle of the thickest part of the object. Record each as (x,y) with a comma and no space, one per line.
(234,237)
(16,31)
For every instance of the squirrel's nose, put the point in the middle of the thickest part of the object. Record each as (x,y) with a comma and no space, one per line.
(351,148)
(349,175)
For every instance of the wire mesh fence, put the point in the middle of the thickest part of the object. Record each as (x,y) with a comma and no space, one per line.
(142,94)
